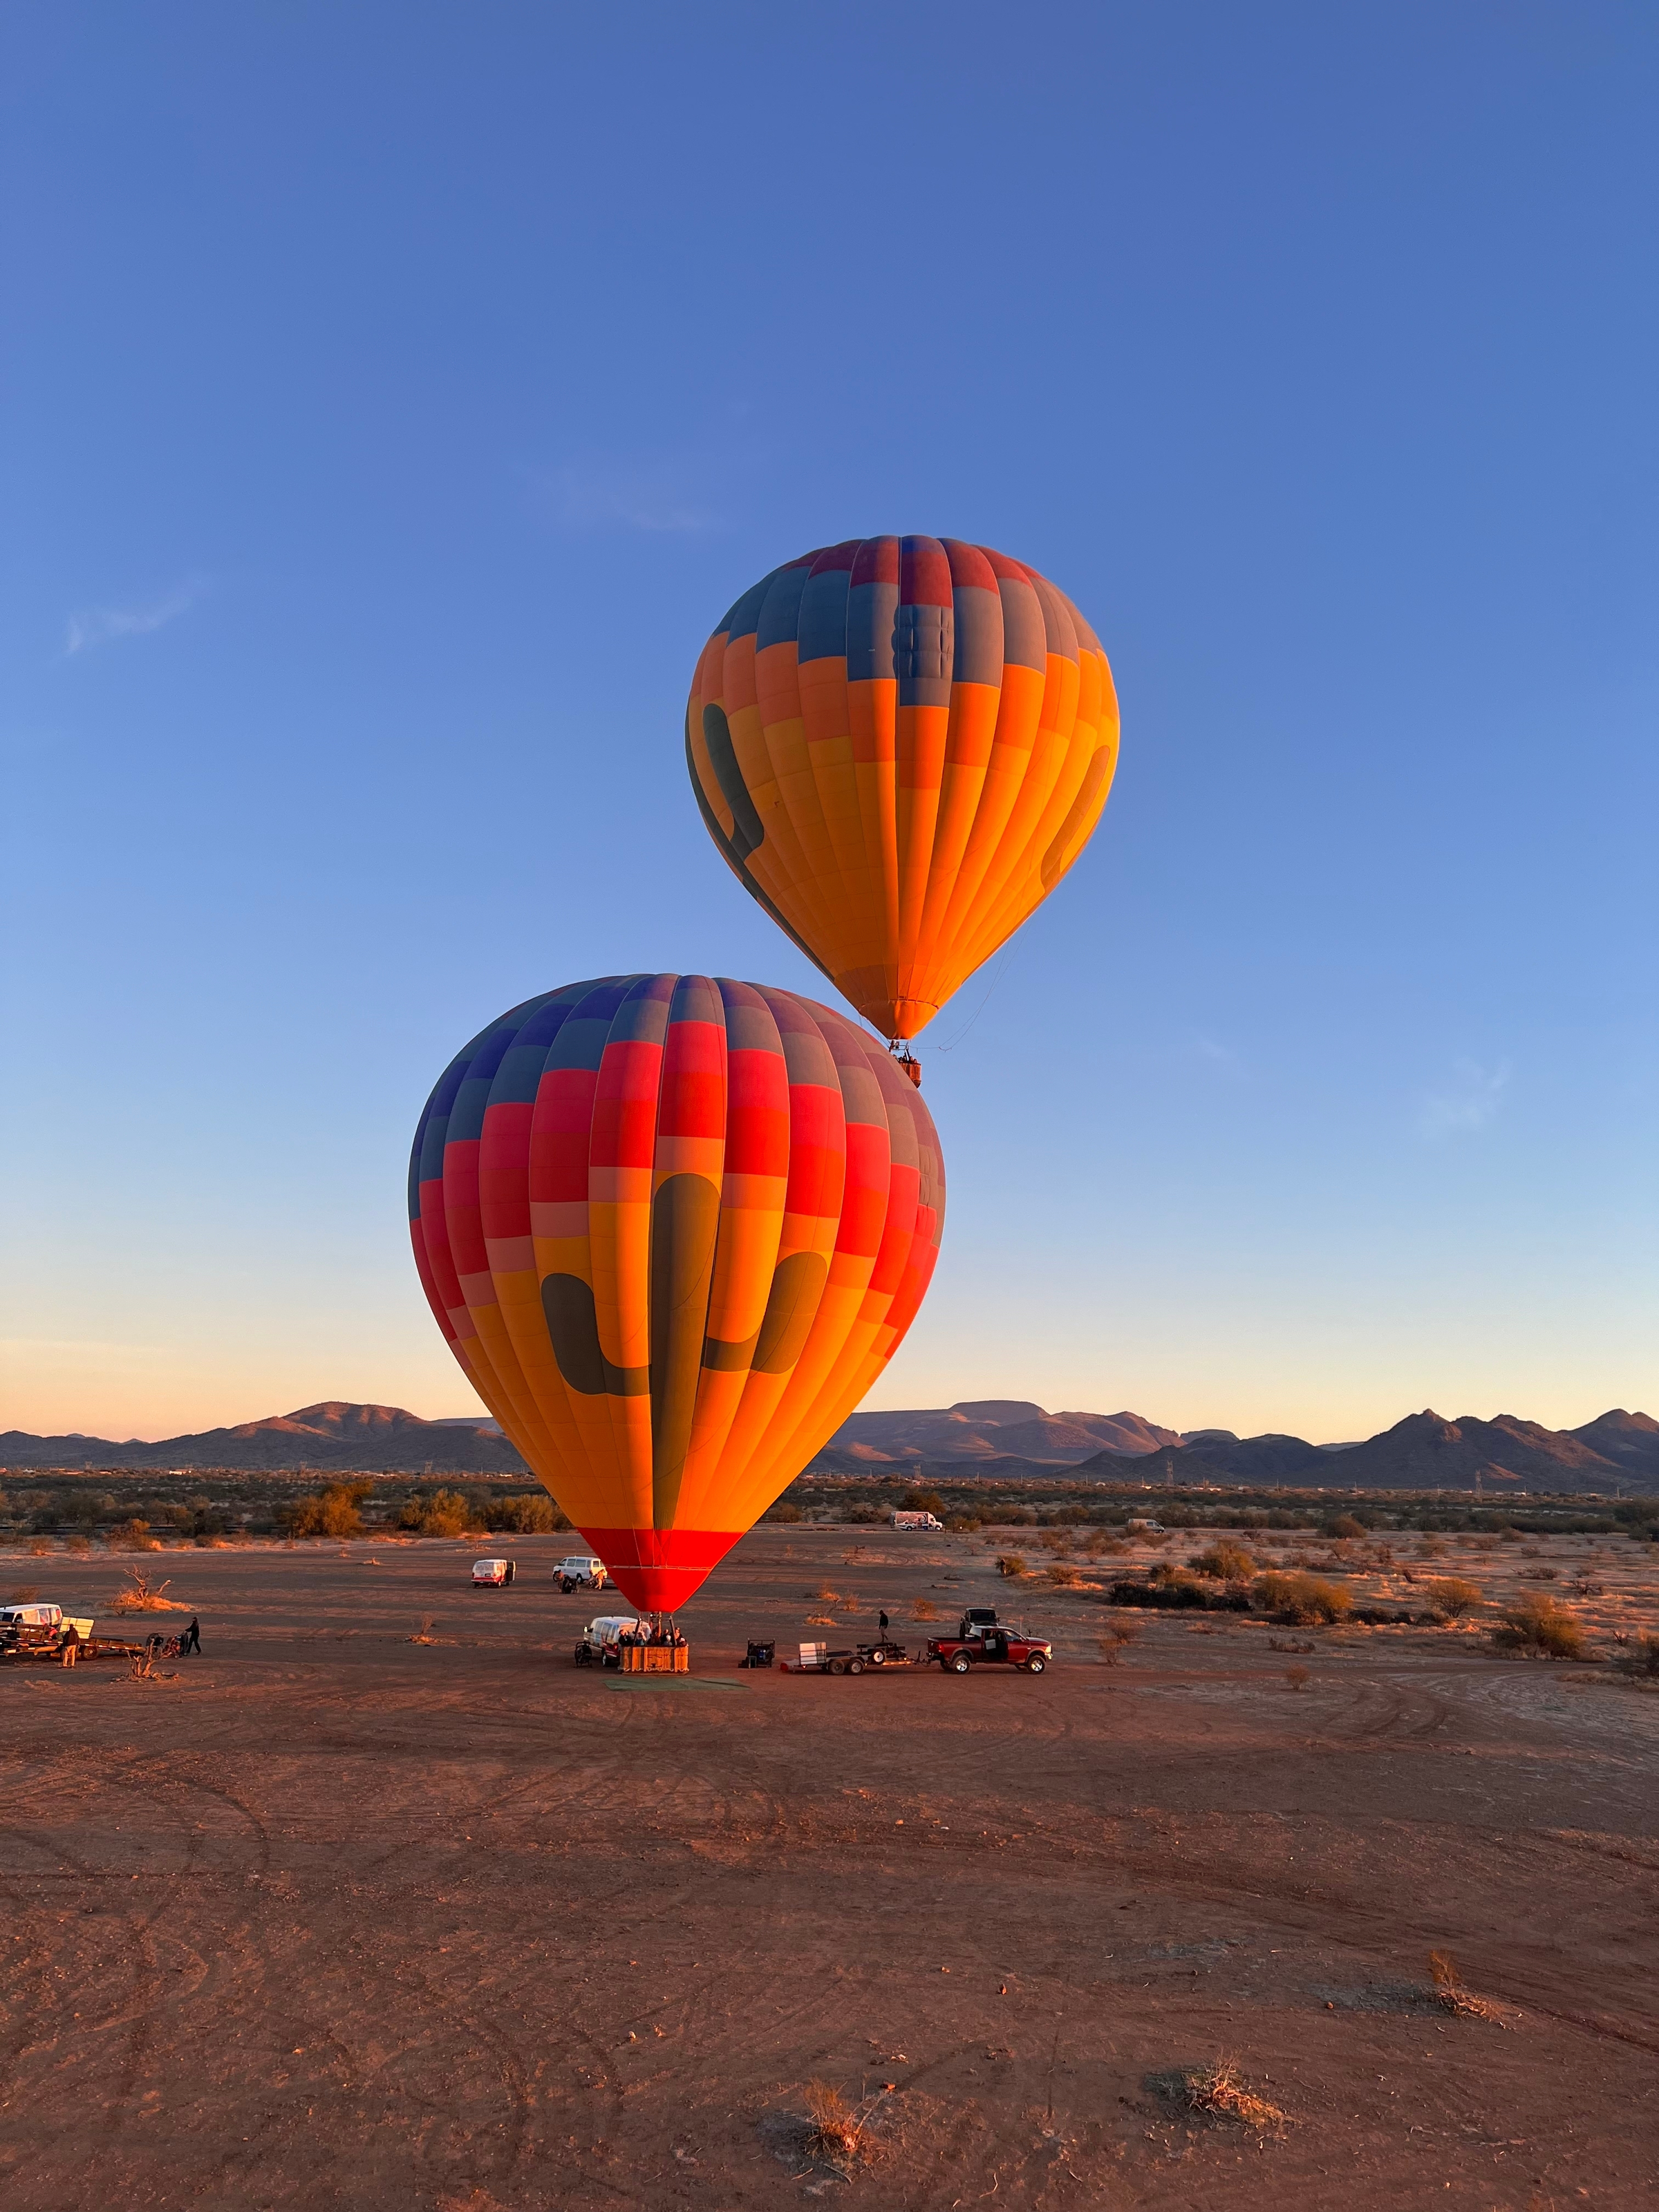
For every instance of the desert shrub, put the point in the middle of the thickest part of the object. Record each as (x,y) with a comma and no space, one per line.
(1640,1659)
(1297,1677)
(1538,1627)
(924,1501)
(79,1546)
(783,1514)
(1452,1597)
(1064,1577)
(1010,1564)
(331,1512)
(1342,1524)
(924,1608)
(1169,1591)
(1223,1561)
(863,1517)
(1300,1599)
(1115,1640)
(133,1535)
(440,1513)
(531,1513)
(25,1594)
(962,1524)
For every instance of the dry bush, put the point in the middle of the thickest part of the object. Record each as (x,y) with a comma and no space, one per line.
(1640,1659)
(835,2127)
(1450,1993)
(1227,1562)
(423,1634)
(1297,1644)
(1221,2091)
(1538,1627)
(1540,1575)
(924,1609)
(1010,1564)
(820,1620)
(134,1536)
(139,1597)
(1064,1577)
(824,1597)
(1301,1600)
(79,1547)
(1452,1597)
(1115,1639)
(25,1594)
(1297,1677)
(39,1549)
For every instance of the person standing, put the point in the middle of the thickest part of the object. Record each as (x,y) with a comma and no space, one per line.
(193,1636)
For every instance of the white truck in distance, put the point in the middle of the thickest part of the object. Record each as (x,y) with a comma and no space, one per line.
(581,1572)
(917,1521)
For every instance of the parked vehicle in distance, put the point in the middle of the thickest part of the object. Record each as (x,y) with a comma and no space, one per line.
(580,1572)
(917,1521)
(601,1639)
(493,1574)
(1000,1645)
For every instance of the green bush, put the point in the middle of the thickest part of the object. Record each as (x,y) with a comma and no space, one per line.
(1452,1597)
(1301,1600)
(530,1514)
(1538,1627)
(440,1513)
(787,1514)
(1223,1562)
(331,1512)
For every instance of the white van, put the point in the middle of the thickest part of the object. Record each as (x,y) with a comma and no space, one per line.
(580,1572)
(600,1638)
(14,1617)
(493,1574)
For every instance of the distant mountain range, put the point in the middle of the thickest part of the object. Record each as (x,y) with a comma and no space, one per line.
(1004,1437)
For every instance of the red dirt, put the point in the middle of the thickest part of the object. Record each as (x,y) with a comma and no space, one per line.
(327,1918)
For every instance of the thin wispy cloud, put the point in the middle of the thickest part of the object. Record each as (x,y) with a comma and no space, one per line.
(93,626)
(612,494)
(1467,1104)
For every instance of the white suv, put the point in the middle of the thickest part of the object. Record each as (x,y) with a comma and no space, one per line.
(581,1573)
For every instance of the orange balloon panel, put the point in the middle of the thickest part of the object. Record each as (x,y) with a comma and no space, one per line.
(673,1227)
(901,745)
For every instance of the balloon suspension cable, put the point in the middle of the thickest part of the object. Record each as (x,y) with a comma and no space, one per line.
(908,1063)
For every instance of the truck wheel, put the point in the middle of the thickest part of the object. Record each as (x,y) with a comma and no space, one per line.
(837,1667)
(962,1664)
(1036,1663)
(583,1656)
(855,1666)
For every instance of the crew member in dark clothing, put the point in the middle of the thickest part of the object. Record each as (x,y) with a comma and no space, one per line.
(884,1626)
(193,1636)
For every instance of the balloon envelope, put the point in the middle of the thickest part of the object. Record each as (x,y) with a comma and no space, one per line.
(901,745)
(673,1227)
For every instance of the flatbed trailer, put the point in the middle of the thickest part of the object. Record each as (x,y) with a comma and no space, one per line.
(882,1657)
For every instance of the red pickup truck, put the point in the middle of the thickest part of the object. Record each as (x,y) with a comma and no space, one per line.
(990,1644)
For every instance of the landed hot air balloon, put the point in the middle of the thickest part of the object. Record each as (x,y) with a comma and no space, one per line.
(673,1228)
(901,745)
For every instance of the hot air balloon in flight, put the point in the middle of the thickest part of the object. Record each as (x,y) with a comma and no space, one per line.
(673,1227)
(901,745)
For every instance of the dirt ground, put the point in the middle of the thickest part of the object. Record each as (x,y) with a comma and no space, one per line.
(328,1917)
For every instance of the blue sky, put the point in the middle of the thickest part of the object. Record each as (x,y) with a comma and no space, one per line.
(398,395)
